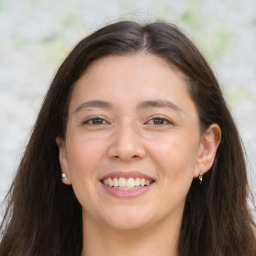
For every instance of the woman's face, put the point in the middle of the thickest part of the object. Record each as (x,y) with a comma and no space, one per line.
(132,144)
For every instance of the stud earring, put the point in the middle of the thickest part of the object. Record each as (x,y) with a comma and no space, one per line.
(200,178)
(64,176)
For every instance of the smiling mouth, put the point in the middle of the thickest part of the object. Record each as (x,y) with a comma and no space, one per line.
(127,184)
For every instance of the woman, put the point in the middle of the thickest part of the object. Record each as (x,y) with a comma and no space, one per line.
(134,152)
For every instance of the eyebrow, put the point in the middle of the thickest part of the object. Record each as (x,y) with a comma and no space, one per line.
(93,104)
(142,105)
(158,104)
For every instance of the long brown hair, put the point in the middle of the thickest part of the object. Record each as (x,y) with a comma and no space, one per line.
(43,216)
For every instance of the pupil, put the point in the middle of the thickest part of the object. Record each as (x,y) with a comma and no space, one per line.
(158,121)
(97,121)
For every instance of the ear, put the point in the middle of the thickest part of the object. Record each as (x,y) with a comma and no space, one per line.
(63,160)
(209,144)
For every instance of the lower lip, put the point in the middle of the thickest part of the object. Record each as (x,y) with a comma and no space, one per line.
(127,193)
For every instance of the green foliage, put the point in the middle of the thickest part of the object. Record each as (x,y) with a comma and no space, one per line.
(52,50)
(212,36)
(70,19)
(254,22)
(3,6)
(163,10)
(214,41)
(42,4)
(126,5)
(191,16)
(235,95)
(20,43)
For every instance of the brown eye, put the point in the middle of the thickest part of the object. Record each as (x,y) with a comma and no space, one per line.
(95,121)
(158,121)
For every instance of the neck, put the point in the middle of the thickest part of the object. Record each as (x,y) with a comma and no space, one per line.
(161,239)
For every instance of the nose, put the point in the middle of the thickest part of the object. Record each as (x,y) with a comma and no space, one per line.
(126,145)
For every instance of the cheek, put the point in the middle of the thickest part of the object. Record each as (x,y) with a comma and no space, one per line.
(175,149)
(175,157)
(83,154)
(174,160)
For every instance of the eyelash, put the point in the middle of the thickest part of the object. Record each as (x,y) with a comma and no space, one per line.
(163,120)
(92,120)
(100,121)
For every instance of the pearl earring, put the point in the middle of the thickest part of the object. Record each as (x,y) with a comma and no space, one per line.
(64,176)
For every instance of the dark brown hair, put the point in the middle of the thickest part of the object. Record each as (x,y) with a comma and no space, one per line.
(43,216)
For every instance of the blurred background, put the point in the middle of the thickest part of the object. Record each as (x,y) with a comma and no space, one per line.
(36,35)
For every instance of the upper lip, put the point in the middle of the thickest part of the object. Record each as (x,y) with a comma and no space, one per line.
(126,174)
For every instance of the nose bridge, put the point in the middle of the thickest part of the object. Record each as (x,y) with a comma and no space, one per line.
(127,142)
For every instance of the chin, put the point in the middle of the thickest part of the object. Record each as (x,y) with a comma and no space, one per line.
(128,218)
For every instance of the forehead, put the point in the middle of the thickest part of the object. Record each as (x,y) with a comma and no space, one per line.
(130,80)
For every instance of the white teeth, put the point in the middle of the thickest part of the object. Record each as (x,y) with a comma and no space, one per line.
(110,182)
(129,183)
(122,182)
(137,182)
(115,182)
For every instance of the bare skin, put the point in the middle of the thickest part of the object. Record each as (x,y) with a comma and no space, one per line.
(133,114)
